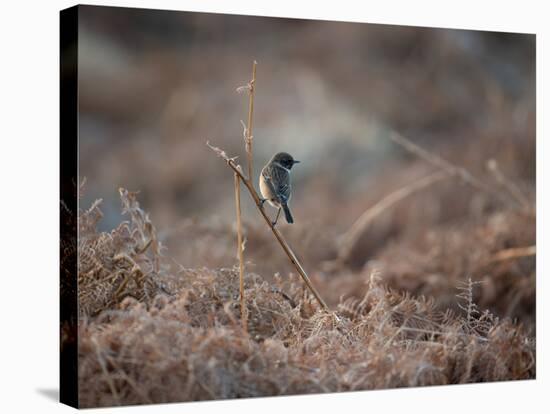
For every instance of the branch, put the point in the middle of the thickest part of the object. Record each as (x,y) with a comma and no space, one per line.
(287,249)
(361,225)
(515,192)
(513,253)
(452,169)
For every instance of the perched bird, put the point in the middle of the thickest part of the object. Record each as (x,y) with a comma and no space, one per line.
(275,183)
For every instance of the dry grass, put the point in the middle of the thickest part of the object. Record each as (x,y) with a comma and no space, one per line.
(435,263)
(157,332)
(124,262)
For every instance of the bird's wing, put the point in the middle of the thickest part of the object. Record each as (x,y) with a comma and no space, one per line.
(280,180)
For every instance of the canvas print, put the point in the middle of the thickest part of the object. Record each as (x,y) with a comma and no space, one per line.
(257,206)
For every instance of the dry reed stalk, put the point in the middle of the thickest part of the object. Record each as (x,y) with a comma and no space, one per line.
(249,137)
(247,129)
(248,147)
(452,169)
(515,192)
(361,225)
(286,247)
(240,249)
(514,253)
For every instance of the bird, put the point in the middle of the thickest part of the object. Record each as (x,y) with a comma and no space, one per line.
(275,184)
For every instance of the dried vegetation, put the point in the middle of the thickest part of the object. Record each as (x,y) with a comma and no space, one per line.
(153,331)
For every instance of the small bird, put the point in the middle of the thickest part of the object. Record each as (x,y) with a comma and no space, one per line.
(275,183)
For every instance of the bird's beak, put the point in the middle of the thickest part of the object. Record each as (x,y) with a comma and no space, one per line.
(296,161)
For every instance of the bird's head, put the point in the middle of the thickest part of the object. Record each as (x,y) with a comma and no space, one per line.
(285,159)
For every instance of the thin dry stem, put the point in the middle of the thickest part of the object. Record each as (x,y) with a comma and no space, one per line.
(248,129)
(514,253)
(452,169)
(287,249)
(240,249)
(515,192)
(361,225)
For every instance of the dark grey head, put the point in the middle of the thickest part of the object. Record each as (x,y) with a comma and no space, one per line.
(285,159)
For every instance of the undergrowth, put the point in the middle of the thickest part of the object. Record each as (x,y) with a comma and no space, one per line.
(152,330)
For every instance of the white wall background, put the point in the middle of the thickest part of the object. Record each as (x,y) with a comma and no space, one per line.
(29,161)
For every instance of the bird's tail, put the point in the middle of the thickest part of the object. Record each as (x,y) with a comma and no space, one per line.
(288,216)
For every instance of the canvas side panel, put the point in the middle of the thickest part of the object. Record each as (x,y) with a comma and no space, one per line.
(68,206)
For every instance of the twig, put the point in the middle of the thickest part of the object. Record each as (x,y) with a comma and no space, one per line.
(513,253)
(240,249)
(441,333)
(287,249)
(358,228)
(452,169)
(515,192)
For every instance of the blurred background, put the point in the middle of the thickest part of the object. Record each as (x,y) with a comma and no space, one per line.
(154,86)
